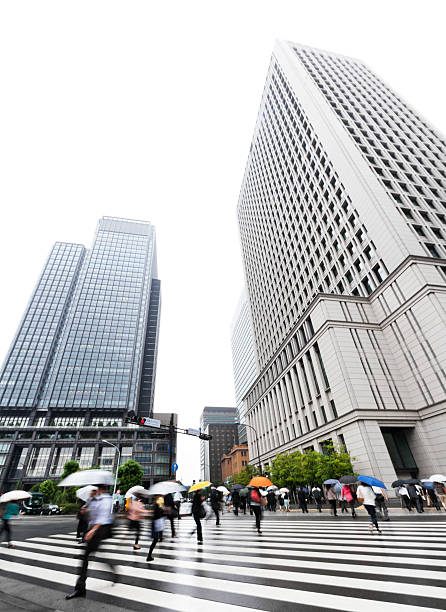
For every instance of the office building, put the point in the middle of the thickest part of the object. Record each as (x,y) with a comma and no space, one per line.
(224,437)
(244,360)
(235,461)
(83,357)
(215,415)
(342,215)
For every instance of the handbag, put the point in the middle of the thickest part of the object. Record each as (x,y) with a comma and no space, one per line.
(263,501)
(202,512)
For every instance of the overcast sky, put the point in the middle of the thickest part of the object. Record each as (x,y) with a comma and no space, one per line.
(146,110)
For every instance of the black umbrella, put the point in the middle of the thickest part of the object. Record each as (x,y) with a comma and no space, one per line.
(236,487)
(411,481)
(347,479)
(398,483)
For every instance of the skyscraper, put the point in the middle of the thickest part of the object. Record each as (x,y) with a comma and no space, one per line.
(209,451)
(342,216)
(84,356)
(244,361)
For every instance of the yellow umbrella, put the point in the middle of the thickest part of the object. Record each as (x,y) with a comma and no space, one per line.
(199,485)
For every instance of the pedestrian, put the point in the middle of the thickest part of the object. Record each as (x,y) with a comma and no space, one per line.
(302,499)
(381,500)
(271,498)
(414,497)
(10,509)
(215,499)
(171,512)
(348,494)
(177,499)
(421,496)
(99,529)
(332,500)
(367,496)
(135,514)
(281,503)
(440,492)
(432,496)
(286,502)
(235,501)
(198,512)
(243,503)
(82,516)
(256,505)
(405,499)
(158,524)
(317,495)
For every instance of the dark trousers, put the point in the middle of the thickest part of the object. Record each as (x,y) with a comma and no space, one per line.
(372,513)
(318,501)
(257,513)
(243,506)
(406,500)
(198,524)
(343,505)
(177,506)
(333,503)
(216,509)
(303,505)
(236,509)
(136,526)
(172,525)
(416,503)
(103,533)
(6,528)
(156,538)
(82,527)
(352,506)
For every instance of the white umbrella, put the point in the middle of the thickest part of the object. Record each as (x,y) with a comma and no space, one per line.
(284,490)
(85,493)
(264,493)
(137,490)
(223,489)
(437,478)
(87,477)
(14,496)
(272,488)
(165,487)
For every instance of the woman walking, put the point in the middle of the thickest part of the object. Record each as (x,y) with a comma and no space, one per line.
(348,495)
(198,512)
(135,513)
(367,496)
(10,510)
(256,505)
(286,502)
(158,524)
(332,499)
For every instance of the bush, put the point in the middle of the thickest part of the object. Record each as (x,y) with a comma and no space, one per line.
(48,488)
(70,508)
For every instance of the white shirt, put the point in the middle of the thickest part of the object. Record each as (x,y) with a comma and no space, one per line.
(367,494)
(100,510)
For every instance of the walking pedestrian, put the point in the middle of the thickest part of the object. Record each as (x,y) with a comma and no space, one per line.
(332,499)
(243,503)
(135,514)
(82,516)
(405,499)
(348,495)
(256,505)
(177,499)
(216,498)
(414,497)
(286,502)
(440,491)
(302,499)
(9,510)
(271,498)
(433,499)
(199,512)
(317,495)
(235,501)
(381,500)
(367,496)
(281,503)
(158,524)
(99,529)
(171,512)
(421,496)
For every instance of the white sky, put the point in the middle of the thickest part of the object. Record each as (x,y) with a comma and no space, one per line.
(146,110)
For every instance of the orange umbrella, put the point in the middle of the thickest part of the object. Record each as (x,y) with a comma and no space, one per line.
(260,481)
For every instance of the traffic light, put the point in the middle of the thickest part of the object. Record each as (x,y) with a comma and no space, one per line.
(204,436)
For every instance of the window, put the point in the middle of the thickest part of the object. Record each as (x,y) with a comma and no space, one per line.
(432,250)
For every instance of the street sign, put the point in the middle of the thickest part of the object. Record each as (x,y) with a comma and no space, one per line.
(174,466)
(149,422)
(193,432)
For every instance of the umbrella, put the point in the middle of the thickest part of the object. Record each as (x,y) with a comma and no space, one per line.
(347,479)
(260,481)
(14,496)
(373,482)
(272,488)
(200,485)
(263,492)
(165,487)
(244,492)
(87,477)
(437,478)
(284,490)
(331,481)
(223,489)
(427,484)
(237,487)
(411,481)
(85,493)
(398,483)
(137,490)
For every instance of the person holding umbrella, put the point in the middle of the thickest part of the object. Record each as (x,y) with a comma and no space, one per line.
(10,509)
(158,524)
(317,495)
(216,498)
(348,493)
(302,498)
(135,513)
(256,498)
(331,496)
(198,510)
(367,496)
(86,494)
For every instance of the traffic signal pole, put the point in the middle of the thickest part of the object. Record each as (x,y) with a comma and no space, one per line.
(155,424)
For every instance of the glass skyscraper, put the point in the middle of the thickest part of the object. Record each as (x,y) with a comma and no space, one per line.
(84,356)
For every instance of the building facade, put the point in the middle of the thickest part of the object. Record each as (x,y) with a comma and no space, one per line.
(224,437)
(244,360)
(235,461)
(212,415)
(83,357)
(342,216)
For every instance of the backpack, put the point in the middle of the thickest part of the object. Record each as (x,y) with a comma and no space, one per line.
(255,496)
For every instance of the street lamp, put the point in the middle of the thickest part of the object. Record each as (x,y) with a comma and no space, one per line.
(117,467)
(257,443)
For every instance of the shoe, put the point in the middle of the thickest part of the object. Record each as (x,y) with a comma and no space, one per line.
(370,527)
(200,542)
(259,532)
(10,545)
(136,547)
(150,558)
(379,531)
(76,593)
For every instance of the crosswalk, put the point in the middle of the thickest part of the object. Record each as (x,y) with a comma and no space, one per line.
(293,565)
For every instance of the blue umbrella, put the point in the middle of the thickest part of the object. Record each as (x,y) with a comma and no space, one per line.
(331,481)
(427,484)
(373,482)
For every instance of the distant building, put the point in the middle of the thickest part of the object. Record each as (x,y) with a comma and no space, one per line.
(234,461)
(214,415)
(244,360)
(224,437)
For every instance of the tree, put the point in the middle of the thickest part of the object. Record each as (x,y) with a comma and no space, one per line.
(35,488)
(48,488)
(130,475)
(244,476)
(335,463)
(70,467)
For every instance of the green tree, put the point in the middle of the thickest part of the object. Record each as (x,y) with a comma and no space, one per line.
(335,463)
(130,474)
(48,488)
(19,486)
(70,467)
(244,476)
(310,465)
(35,488)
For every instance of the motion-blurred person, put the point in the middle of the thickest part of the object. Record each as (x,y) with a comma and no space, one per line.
(256,506)
(235,501)
(332,500)
(381,500)
(281,503)
(215,499)
(348,495)
(302,498)
(10,509)
(135,514)
(99,529)
(367,496)
(317,495)
(286,502)
(243,503)
(82,516)
(177,499)
(198,512)
(171,512)
(271,498)
(415,500)
(158,524)
(432,496)
(405,499)
(440,491)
